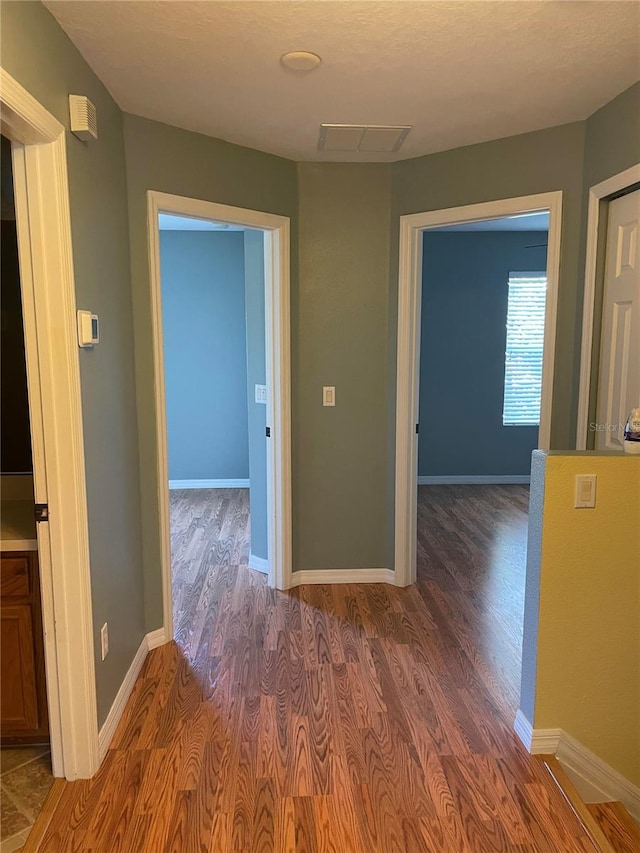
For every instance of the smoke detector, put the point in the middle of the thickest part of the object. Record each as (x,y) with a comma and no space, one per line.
(379,138)
(82,115)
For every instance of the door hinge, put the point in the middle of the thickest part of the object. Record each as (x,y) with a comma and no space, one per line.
(417,429)
(42,512)
(268,431)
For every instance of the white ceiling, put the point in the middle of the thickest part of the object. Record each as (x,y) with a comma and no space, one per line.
(525,222)
(459,72)
(171,222)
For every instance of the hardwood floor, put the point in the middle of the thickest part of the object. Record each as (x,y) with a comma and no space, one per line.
(330,718)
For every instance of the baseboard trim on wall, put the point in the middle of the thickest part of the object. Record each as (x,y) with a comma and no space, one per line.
(473,479)
(523,729)
(208,484)
(157,638)
(106,733)
(595,780)
(313,576)
(259,564)
(587,768)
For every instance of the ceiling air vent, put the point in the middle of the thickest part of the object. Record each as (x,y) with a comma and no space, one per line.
(82,116)
(379,138)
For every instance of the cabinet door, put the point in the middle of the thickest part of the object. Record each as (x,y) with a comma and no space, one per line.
(19,689)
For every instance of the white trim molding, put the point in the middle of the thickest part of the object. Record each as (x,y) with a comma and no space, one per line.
(472,479)
(524,730)
(590,771)
(319,576)
(595,780)
(597,194)
(208,484)
(108,729)
(116,711)
(278,379)
(157,638)
(259,564)
(408,353)
(53,374)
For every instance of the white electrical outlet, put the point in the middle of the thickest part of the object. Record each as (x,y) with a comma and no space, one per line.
(104,640)
(261,394)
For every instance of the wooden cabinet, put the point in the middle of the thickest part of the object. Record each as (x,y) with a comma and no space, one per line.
(23,705)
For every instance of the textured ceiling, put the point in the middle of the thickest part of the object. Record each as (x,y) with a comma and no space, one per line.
(459,72)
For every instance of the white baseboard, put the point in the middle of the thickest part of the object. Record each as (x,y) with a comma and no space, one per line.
(106,733)
(523,729)
(594,779)
(313,576)
(156,638)
(208,484)
(584,766)
(545,741)
(473,479)
(259,564)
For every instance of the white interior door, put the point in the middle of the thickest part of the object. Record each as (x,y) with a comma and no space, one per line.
(619,377)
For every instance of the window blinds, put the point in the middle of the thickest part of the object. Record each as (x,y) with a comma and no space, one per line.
(523,357)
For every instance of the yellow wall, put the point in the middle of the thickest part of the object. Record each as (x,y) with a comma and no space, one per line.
(588,672)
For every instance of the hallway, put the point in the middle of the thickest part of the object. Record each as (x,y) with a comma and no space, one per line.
(331,718)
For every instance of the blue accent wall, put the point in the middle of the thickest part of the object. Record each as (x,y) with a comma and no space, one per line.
(203,309)
(464,311)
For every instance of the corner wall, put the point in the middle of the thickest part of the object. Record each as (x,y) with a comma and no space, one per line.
(340,338)
(170,160)
(586,568)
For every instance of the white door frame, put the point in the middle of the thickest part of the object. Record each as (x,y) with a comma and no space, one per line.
(408,359)
(597,193)
(53,377)
(277,321)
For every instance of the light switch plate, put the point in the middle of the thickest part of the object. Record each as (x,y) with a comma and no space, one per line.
(261,394)
(104,640)
(88,329)
(329,395)
(585,490)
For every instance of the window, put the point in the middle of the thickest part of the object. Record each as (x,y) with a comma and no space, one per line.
(523,357)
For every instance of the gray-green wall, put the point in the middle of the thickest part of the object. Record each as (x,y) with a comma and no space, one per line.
(256,375)
(164,158)
(340,338)
(42,59)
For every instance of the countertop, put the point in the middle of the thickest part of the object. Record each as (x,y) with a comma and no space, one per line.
(17,526)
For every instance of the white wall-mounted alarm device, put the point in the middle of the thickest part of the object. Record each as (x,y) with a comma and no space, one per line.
(88,330)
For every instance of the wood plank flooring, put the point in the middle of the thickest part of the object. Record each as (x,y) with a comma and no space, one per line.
(351,719)
(617,825)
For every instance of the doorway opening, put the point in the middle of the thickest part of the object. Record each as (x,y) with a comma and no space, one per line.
(482,331)
(38,151)
(220,296)
(609,359)
(213,299)
(476,336)
(25,758)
